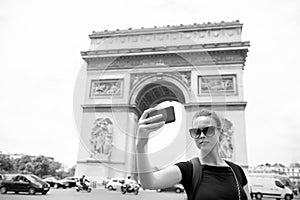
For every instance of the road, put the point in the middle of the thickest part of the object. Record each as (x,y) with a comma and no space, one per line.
(96,194)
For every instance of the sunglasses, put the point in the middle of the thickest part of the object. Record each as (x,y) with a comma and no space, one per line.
(207,131)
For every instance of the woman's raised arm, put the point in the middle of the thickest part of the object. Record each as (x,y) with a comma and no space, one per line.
(149,179)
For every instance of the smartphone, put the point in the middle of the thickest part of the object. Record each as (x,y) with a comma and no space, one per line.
(168,114)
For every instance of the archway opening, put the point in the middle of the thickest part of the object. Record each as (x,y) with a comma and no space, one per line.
(169,141)
(156,93)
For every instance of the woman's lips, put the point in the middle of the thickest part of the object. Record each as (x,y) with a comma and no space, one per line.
(203,142)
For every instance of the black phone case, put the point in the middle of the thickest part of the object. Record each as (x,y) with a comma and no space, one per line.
(168,114)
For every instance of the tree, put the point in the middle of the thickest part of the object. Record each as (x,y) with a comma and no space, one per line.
(40,165)
(6,164)
(54,167)
(20,163)
(295,165)
(29,168)
(72,171)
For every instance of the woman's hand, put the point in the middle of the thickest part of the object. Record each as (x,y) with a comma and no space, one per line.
(149,179)
(148,125)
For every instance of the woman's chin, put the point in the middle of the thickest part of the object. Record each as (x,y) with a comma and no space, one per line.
(203,145)
(204,149)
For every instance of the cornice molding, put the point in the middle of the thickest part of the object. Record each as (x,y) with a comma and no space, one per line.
(165,49)
(109,107)
(224,57)
(167,29)
(239,105)
(233,105)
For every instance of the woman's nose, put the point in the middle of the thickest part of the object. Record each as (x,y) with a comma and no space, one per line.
(202,135)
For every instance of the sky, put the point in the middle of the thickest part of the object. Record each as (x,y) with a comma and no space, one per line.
(40,44)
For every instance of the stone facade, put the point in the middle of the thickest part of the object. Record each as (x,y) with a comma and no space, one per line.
(128,71)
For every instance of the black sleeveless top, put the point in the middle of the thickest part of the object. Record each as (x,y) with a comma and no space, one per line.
(218,183)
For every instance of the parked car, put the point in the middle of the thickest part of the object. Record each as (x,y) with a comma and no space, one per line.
(178,188)
(24,183)
(69,181)
(1,177)
(115,183)
(53,182)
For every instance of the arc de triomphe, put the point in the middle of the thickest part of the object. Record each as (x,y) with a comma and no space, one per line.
(128,71)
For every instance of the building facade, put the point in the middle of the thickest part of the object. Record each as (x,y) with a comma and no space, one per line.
(128,71)
(293,173)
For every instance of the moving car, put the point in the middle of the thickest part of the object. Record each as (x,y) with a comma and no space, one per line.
(23,183)
(53,182)
(115,183)
(69,181)
(178,188)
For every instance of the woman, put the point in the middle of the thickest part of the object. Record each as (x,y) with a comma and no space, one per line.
(218,178)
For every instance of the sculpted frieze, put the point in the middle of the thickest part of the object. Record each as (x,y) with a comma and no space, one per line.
(167,38)
(184,77)
(217,85)
(104,88)
(145,61)
(136,78)
(172,59)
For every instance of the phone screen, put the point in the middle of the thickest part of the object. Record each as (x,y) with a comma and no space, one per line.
(168,114)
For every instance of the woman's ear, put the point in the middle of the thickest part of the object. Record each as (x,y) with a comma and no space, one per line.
(220,137)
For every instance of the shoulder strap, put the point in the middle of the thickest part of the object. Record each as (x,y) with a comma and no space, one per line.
(236,171)
(197,176)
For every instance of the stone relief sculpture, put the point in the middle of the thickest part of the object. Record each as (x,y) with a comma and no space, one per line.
(216,84)
(101,138)
(185,77)
(134,80)
(105,87)
(226,146)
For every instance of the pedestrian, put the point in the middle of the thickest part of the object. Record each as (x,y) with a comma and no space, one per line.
(206,176)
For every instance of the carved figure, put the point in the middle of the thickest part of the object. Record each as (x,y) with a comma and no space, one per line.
(226,147)
(215,85)
(113,89)
(185,78)
(101,136)
(135,80)
(100,88)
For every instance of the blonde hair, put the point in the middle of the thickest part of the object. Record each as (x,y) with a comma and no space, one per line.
(211,114)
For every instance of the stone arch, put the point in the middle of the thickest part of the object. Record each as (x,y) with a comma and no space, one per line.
(178,69)
(155,89)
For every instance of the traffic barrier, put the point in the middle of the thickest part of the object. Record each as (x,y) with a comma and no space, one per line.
(94,184)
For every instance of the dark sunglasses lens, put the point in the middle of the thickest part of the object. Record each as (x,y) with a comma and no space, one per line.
(194,133)
(209,131)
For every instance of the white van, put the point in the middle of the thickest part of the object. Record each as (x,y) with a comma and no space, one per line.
(269,187)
